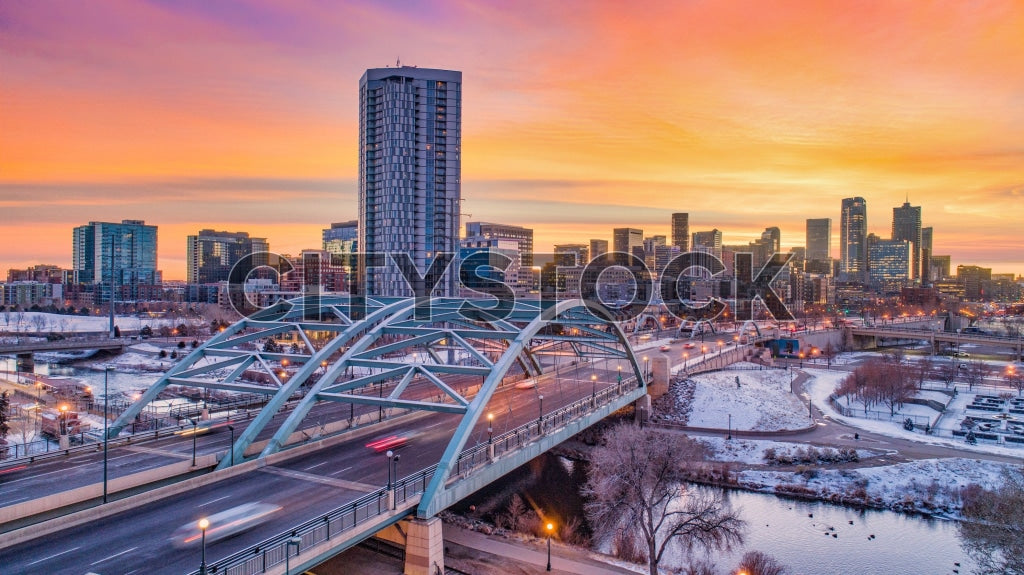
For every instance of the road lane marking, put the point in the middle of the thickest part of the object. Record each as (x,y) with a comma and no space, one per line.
(165,453)
(114,555)
(341,470)
(316,465)
(54,555)
(214,500)
(320,479)
(37,475)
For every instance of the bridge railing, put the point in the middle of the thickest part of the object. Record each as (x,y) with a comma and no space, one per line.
(271,552)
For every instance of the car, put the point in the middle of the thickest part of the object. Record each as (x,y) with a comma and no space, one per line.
(689,345)
(961,354)
(392,441)
(223,524)
(526,384)
(664,348)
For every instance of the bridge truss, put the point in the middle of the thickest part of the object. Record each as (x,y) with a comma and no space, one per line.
(425,354)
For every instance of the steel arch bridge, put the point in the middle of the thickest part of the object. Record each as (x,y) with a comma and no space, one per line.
(348,350)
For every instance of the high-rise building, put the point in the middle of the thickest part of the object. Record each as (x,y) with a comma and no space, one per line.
(571,255)
(497,260)
(973,279)
(906,225)
(853,232)
(210,255)
(709,241)
(410,183)
(123,253)
(626,239)
(598,248)
(819,239)
(889,264)
(941,266)
(681,231)
(926,255)
(522,236)
(342,238)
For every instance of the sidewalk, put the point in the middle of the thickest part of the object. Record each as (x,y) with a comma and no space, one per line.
(527,557)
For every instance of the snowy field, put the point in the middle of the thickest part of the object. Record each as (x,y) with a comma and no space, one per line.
(928,485)
(32,322)
(751,451)
(762,400)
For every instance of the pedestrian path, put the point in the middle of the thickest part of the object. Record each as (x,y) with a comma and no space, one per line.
(563,560)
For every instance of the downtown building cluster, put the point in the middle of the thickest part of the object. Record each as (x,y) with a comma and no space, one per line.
(409,206)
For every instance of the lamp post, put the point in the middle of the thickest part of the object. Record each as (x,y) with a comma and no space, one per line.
(730,427)
(203,524)
(593,391)
(106,374)
(540,417)
(647,368)
(293,541)
(39,401)
(620,374)
(63,420)
(394,500)
(550,528)
(490,428)
(194,424)
(389,455)
(231,448)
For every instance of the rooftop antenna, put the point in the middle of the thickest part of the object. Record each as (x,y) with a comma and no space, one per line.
(398,62)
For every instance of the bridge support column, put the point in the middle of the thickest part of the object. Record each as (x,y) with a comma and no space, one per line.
(658,385)
(25,362)
(642,410)
(424,546)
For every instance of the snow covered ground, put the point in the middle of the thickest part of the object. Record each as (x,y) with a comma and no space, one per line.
(825,382)
(762,401)
(29,322)
(927,485)
(751,451)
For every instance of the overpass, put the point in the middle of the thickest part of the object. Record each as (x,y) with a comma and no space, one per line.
(438,375)
(72,344)
(876,333)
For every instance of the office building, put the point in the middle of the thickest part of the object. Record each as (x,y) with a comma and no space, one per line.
(122,255)
(819,239)
(681,231)
(410,186)
(499,261)
(210,255)
(973,279)
(572,255)
(625,240)
(941,267)
(906,225)
(709,241)
(598,248)
(889,264)
(522,236)
(853,232)
(927,235)
(342,238)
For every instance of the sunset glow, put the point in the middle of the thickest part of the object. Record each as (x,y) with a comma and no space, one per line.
(578,117)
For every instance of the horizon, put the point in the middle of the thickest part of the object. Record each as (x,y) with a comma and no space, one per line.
(592,118)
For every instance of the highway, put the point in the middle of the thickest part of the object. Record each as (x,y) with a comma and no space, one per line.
(137,541)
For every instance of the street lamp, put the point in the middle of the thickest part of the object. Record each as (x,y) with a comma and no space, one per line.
(620,374)
(730,427)
(231,448)
(292,541)
(106,374)
(593,392)
(550,528)
(540,418)
(63,420)
(389,455)
(194,424)
(394,500)
(704,352)
(647,368)
(203,524)
(490,428)
(801,356)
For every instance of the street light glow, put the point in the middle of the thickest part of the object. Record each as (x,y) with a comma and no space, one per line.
(204,523)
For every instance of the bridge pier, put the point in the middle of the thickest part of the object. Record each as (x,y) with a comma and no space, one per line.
(423,541)
(26,362)
(642,410)
(660,368)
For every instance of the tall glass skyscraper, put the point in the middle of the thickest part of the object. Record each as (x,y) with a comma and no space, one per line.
(681,231)
(210,255)
(906,225)
(410,187)
(853,235)
(819,239)
(121,254)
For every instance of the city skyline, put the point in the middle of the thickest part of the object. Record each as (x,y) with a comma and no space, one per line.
(760,121)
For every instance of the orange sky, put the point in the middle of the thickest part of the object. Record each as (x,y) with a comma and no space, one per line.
(577,116)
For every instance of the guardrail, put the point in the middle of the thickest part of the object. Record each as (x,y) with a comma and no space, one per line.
(271,551)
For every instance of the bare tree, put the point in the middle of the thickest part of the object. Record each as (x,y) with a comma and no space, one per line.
(948,371)
(1015,379)
(922,370)
(637,480)
(976,372)
(993,530)
(758,563)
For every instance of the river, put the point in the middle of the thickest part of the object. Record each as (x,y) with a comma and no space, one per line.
(810,538)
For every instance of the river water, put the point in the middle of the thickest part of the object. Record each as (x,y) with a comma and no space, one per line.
(810,538)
